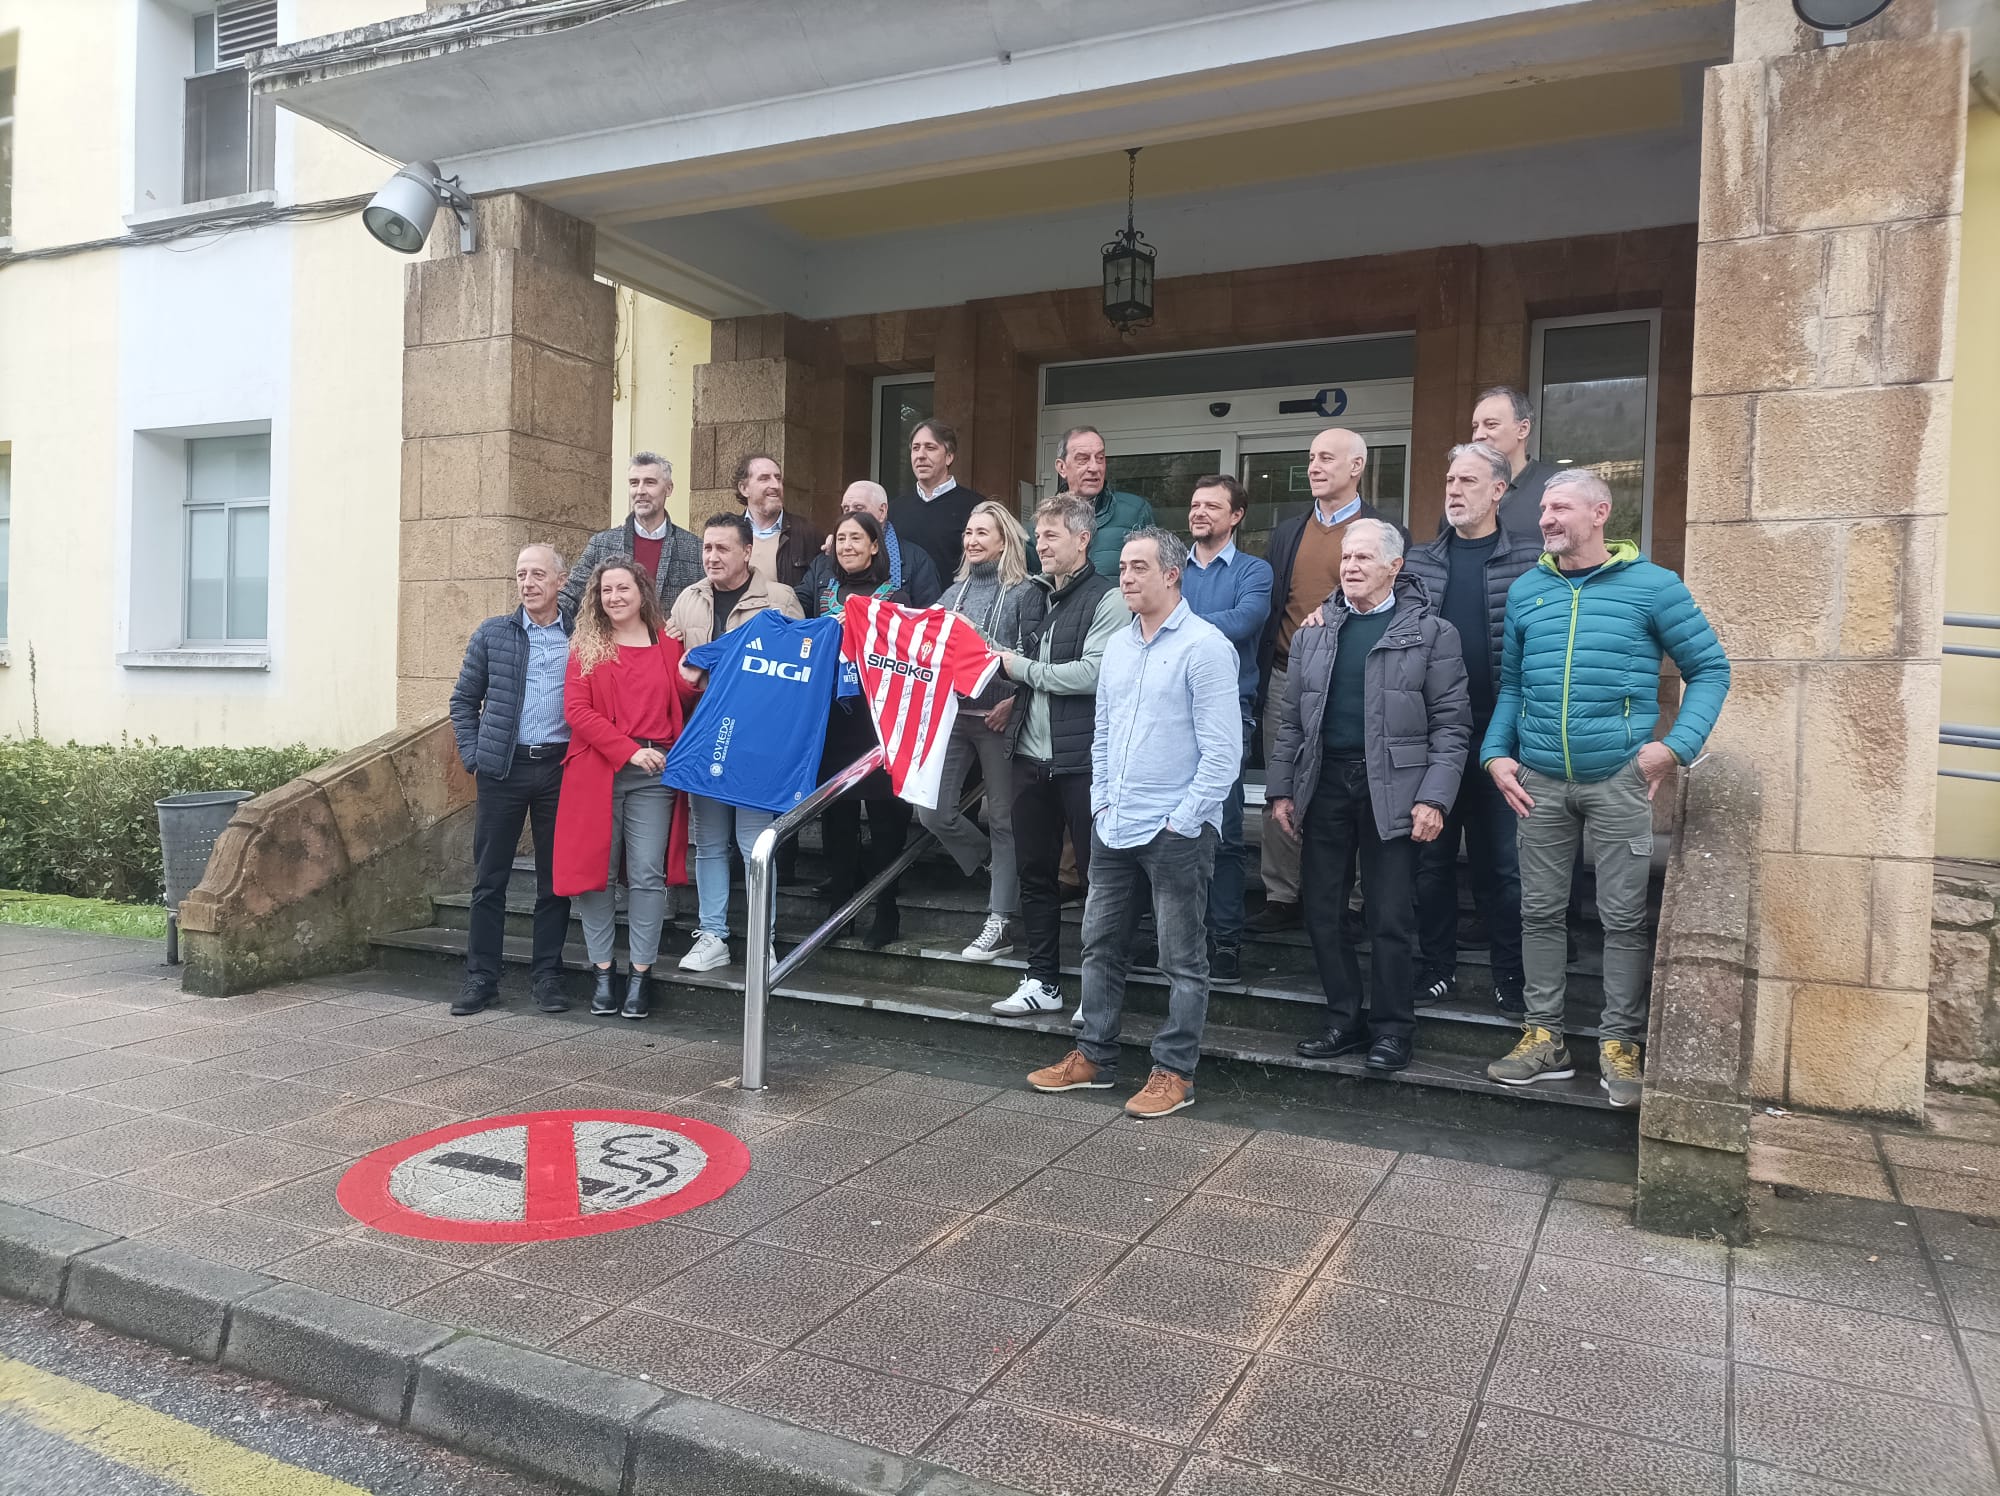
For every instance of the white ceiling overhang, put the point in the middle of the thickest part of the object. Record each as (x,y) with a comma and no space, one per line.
(664,108)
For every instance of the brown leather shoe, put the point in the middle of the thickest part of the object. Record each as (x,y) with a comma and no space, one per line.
(1075,1071)
(1163,1092)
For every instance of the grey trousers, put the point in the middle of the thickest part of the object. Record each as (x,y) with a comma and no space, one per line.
(1279,855)
(968,845)
(642,811)
(1614,819)
(1174,872)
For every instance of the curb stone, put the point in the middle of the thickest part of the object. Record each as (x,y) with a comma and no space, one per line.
(355,1355)
(613,1435)
(525,1408)
(691,1445)
(171,1298)
(36,1251)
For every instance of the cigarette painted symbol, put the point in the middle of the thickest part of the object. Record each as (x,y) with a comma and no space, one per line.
(645,1156)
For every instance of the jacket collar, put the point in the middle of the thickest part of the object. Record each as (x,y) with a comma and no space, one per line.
(631,528)
(1623,553)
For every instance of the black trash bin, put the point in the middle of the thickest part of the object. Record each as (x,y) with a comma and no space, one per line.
(189,825)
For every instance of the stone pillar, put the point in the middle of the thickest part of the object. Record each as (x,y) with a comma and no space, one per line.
(1824,311)
(507,356)
(755,394)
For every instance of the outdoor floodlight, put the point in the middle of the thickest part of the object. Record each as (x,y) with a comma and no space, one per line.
(1838,15)
(400,215)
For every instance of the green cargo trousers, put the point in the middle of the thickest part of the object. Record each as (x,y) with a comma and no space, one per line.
(1616,818)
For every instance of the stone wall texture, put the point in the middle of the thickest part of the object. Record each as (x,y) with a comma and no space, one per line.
(303,877)
(1965,975)
(1823,314)
(507,356)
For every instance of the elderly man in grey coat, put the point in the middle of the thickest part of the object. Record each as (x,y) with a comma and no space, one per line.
(1371,740)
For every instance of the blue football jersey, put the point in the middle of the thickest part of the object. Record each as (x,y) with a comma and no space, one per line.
(755,738)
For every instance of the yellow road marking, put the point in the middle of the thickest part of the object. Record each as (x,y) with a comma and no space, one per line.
(150,1442)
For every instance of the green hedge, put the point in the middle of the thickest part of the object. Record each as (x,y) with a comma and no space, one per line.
(78,818)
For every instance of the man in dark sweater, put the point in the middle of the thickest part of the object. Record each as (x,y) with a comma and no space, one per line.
(933,518)
(1502,418)
(1373,730)
(1467,573)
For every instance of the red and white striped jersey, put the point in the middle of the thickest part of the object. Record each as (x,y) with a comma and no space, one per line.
(914,663)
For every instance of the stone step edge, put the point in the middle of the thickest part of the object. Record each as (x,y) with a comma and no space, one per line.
(1249,1046)
(532,1410)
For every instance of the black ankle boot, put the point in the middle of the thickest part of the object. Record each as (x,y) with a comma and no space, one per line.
(887,926)
(638,995)
(602,1003)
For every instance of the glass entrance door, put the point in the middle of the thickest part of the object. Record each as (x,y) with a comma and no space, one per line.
(1163,479)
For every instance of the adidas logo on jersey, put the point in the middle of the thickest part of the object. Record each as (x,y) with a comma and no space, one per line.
(900,667)
(756,644)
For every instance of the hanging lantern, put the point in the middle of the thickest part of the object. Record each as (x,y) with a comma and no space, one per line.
(1128,265)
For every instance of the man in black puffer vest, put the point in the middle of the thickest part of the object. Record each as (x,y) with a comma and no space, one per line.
(1467,572)
(1065,623)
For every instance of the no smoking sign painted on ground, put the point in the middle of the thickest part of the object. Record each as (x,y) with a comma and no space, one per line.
(538,1176)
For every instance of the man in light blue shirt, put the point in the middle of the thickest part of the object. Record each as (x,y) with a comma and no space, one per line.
(1232,590)
(1167,747)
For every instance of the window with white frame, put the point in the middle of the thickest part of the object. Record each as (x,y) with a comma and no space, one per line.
(1595,382)
(226,135)
(226,573)
(6,532)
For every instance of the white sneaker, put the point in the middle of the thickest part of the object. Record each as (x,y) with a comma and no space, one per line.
(992,940)
(1030,997)
(1076,1018)
(707,953)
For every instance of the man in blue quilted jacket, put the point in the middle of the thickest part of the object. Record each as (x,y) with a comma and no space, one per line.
(1571,749)
(507,715)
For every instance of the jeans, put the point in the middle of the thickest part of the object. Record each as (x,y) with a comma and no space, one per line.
(1339,830)
(970,848)
(1045,806)
(1616,818)
(528,793)
(1225,889)
(1178,868)
(711,823)
(1279,853)
(642,812)
(1482,816)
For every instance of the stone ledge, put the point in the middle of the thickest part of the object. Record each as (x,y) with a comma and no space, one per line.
(690,1445)
(36,1252)
(554,1418)
(355,1355)
(474,1394)
(171,1298)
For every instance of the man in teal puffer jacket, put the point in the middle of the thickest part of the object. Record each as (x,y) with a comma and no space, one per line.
(1571,748)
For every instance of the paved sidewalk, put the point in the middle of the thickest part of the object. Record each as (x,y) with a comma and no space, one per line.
(932,1260)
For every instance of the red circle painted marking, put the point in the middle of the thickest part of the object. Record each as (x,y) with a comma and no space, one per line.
(549,1176)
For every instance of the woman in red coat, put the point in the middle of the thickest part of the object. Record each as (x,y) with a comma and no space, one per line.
(625,701)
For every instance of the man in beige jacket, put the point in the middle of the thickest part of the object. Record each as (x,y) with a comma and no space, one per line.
(730,593)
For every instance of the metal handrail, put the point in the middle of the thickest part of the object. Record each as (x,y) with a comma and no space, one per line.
(762,971)
(1965,734)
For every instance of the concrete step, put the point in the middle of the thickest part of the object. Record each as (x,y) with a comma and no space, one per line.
(1447,1084)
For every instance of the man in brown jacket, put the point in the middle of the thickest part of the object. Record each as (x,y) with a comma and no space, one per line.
(782,544)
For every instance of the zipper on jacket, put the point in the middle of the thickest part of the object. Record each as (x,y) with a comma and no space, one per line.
(1569,658)
(1628,722)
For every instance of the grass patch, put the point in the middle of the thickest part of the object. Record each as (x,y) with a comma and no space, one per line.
(93,916)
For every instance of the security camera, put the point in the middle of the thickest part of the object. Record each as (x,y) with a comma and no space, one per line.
(401,214)
(1218,408)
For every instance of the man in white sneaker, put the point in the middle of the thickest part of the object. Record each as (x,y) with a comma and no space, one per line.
(1066,621)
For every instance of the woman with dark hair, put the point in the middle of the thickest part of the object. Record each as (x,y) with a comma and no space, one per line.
(860,569)
(625,700)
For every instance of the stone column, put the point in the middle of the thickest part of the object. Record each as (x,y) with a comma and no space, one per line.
(755,394)
(1824,310)
(507,356)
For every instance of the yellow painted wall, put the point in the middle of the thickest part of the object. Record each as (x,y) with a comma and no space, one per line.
(653,405)
(1969,810)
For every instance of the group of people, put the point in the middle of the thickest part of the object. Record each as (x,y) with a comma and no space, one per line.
(1495,687)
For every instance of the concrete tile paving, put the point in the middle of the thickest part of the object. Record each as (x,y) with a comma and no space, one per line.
(927,1258)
